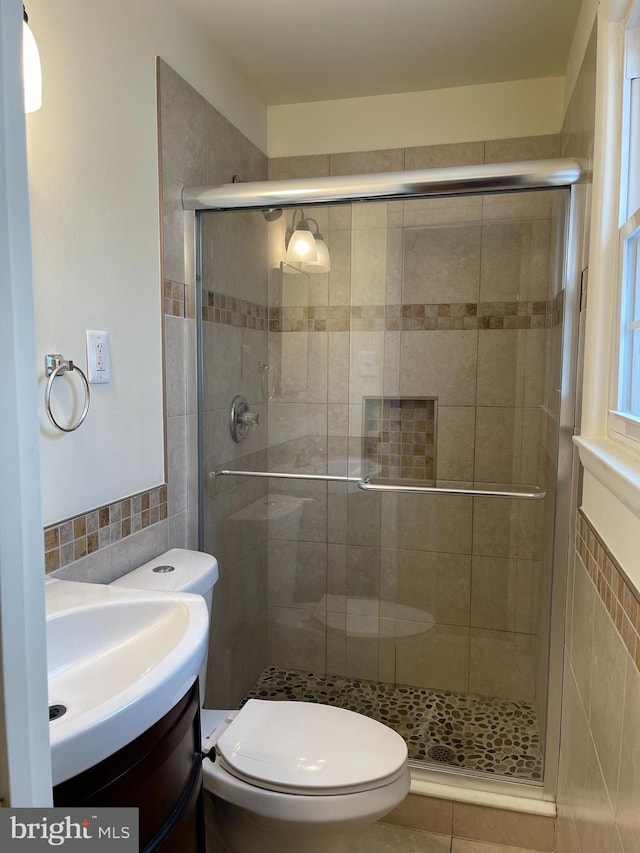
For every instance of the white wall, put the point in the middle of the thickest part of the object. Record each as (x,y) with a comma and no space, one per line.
(93,174)
(463,114)
(25,768)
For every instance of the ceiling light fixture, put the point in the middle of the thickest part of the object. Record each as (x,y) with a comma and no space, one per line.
(31,68)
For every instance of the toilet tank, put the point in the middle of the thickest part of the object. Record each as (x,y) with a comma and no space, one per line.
(178,570)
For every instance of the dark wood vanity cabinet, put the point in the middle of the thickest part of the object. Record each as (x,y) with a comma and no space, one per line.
(160,773)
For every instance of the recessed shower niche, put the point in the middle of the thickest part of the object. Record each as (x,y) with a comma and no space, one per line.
(399,438)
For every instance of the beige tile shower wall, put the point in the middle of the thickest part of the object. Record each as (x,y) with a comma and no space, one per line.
(600,748)
(198,146)
(440,592)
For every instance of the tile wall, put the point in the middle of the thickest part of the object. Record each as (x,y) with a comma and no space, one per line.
(446,298)
(600,744)
(600,749)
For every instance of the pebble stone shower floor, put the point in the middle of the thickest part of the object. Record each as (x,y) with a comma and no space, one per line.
(460,730)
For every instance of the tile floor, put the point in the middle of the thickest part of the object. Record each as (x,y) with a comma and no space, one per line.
(386,838)
(473,732)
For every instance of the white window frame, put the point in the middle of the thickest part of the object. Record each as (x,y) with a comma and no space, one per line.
(610,493)
(623,424)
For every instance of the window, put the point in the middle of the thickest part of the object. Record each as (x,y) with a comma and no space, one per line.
(624,417)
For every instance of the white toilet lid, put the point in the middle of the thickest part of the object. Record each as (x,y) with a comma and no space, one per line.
(302,747)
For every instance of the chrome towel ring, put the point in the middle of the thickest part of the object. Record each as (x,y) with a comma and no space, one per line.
(55,365)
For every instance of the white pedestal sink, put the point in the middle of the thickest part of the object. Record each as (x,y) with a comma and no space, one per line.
(118,660)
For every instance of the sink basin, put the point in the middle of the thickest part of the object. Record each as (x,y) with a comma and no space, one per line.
(118,660)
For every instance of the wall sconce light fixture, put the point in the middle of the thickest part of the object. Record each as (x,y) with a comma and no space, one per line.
(306,249)
(31,68)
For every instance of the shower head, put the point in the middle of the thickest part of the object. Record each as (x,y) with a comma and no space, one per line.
(272,213)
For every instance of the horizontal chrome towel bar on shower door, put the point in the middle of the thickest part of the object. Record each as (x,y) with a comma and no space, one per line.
(531,493)
(280,475)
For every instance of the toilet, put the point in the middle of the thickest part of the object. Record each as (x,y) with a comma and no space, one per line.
(283,776)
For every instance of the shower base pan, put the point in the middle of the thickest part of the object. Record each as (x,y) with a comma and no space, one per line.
(459,730)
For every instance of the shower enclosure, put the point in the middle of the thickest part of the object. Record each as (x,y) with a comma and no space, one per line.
(385,527)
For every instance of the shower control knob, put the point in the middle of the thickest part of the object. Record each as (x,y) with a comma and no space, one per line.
(250,419)
(241,420)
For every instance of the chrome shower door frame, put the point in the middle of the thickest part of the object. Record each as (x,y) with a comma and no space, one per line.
(203,199)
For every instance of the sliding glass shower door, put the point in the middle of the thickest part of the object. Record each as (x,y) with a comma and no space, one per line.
(428,356)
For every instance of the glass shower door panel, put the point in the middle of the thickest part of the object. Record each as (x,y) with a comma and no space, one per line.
(451,307)
(233,338)
(308,417)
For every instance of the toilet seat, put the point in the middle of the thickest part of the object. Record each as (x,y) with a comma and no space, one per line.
(311,749)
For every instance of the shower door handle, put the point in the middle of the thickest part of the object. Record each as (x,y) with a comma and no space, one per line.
(531,493)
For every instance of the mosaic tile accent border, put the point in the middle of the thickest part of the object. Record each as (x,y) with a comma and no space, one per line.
(231,311)
(179,300)
(400,437)
(444,316)
(76,537)
(495,736)
(620,599)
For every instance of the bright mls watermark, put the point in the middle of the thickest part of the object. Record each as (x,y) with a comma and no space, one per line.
(78,829)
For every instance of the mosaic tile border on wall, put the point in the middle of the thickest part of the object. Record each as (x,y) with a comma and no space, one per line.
(179,300)
(615,592)
(427,317)
(479,733)
(231,311)
(421,317)
(85,534)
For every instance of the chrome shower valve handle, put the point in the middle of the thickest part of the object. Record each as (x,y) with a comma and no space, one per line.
(241,419)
